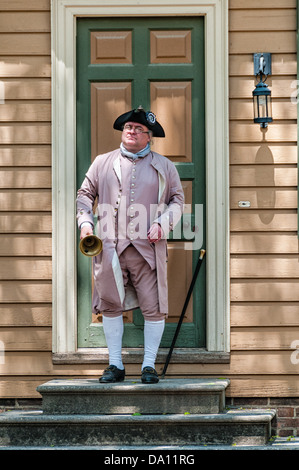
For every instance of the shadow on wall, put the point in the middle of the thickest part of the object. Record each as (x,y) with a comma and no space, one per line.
(264,177)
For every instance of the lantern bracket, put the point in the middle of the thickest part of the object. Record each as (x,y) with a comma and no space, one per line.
(262,63)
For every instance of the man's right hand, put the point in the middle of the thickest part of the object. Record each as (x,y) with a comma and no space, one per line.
(86,231)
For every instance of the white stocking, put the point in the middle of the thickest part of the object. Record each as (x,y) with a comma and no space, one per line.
(113,329)
(153,331)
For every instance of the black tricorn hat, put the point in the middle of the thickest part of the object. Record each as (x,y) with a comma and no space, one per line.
(147,118)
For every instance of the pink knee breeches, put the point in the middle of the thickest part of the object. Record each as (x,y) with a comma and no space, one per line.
(138,272)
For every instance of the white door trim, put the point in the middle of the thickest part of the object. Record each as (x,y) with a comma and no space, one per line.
(63,16)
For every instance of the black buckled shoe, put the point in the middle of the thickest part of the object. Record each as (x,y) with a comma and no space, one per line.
(112,374)
(149,375)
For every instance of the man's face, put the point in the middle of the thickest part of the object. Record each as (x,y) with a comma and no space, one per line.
(132,140)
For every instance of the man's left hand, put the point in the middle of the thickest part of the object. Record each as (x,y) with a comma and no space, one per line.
(155,233)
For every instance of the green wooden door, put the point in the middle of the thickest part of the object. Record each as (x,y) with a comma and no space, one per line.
(157,63)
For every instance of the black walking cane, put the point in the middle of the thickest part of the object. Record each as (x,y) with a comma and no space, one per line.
(201,256)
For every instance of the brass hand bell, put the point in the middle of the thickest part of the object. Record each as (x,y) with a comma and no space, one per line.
(91,245)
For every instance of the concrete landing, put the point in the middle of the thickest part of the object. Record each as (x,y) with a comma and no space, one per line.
(168,396)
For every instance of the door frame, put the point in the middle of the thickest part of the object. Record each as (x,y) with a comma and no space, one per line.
(190,78)
(64,245)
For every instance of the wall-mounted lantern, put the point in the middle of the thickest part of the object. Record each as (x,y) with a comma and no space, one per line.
(262,103)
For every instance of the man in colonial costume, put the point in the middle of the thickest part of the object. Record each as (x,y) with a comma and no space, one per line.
(140,199)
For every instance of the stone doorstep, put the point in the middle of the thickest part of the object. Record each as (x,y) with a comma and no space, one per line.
(182,426)
(30,428)
(169,396)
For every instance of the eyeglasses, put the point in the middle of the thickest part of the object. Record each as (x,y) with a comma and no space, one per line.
(136,129)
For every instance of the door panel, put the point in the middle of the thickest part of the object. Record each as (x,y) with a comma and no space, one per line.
(111,47)
(108,99)
(157,63)
(172,102)
(170,47)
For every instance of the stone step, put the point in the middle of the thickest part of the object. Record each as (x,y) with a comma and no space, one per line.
(169,396)
(37,429)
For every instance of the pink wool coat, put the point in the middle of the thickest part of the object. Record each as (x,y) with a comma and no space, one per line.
(103,182)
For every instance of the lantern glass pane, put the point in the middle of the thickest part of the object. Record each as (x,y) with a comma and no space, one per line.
(269,106)
(255,107)
(262,104)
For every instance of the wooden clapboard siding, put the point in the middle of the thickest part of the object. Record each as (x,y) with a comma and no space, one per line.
(26,88)
(24,43)
(27,338)
(20,133)
(24,22)
(248,20)
(263,176)
(261,363)
(25,244)
(264,242)
(30,223)
(264,266)
(25,315)
(265,198)
(21,5)
(272,314)
(15,111)
(25,178)
(25,291)
(13,156)
(254,386)
(266,4)
(263,170)
(253,152)
(25,67)
(263,239)
(282,64)
(25,193)
(22,200)
(25,268)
